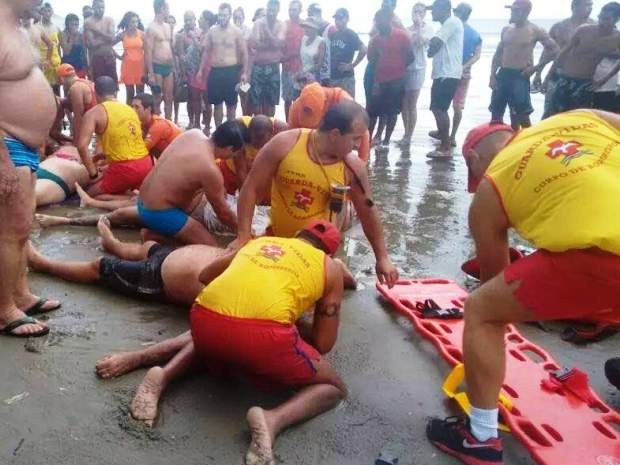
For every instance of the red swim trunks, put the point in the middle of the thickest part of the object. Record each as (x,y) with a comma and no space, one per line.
(577,284)
(231,184)
(124,176)
(269,353)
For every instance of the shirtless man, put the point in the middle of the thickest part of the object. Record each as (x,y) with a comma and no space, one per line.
(100,34)
(306,172)
(183,40)
(149,270)
(260,130)
(513,65)
(22,132)
(185,171)
(257,332)
(579,59)
(225,49)
(158,132)
(266,48)
(562,33)
(159,59)
(80,96)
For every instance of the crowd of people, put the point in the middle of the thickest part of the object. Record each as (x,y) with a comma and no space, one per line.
(310,171)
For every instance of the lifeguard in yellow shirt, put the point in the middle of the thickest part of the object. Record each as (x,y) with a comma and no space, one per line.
(309,174)
(119,130)
(558,185)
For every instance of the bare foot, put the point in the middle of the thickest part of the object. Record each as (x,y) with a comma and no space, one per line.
(103,226)
(36,260)
(85,199)
(47,221)
(144,404)
(118,364)
(260,451)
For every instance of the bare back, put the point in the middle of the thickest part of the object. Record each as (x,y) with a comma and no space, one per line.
(518,45)
(160,36)
(30,121)
(181,271)
(223,45)
(93,30)
(588,50)
(179,173)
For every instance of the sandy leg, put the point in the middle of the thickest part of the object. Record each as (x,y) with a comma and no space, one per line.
(48,221)
(144,404)
(118,364)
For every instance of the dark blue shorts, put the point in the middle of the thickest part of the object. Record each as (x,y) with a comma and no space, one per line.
(513,90)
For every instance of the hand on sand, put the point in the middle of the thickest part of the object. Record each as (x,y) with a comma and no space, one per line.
(260,451)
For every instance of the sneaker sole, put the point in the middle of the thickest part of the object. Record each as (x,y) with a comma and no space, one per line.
(466,459)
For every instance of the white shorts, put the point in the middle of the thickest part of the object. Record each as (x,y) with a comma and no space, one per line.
(414,79)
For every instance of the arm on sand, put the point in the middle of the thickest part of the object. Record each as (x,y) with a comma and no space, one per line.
(368,213)
(216,268)
(259,180)
(327,313)
(489,228)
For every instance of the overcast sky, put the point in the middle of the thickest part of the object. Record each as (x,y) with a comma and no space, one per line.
(361,10)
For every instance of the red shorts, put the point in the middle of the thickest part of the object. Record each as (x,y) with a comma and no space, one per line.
(270,354)
(123,176)
(231,183)
(572,285)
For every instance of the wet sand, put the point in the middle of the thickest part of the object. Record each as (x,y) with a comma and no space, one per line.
(394,376)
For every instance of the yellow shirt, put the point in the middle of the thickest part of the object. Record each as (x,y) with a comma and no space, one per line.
(559,183)
(249,150)
(271,278)
(300,191)
(52,65)
(122,139)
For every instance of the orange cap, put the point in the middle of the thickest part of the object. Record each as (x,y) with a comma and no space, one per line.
(312,100)
(65,70)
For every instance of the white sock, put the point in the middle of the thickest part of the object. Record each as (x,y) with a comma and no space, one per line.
(483,423)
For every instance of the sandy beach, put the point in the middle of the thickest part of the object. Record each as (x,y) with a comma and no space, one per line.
(53,409)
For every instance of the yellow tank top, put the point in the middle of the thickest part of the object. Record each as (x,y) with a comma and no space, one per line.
(559,183)
(271,278)
(249,149)
(122,139)
(300,191)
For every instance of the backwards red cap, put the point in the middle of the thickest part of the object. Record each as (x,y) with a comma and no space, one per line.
(474,137)
(326,233)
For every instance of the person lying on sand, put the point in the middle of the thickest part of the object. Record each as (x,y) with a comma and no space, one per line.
(59,175)
(255,331)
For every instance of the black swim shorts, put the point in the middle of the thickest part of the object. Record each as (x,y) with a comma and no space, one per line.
(389,99)
(136,279)
(221,86)
(443,92)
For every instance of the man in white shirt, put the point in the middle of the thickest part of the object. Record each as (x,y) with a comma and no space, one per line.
(446,50)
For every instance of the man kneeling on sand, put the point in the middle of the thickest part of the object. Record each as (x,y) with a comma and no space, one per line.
(255,330)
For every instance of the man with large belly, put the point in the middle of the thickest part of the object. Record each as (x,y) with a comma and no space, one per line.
(23,130)
(557,184)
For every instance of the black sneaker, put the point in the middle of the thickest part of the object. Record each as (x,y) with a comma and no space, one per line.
(452,436)
(612,371)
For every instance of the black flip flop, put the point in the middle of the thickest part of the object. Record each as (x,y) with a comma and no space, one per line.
(27,320)
(37,307)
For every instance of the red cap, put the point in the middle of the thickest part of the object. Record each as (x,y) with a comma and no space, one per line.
(325,232)
(525,4)
(65,70)
(474,137)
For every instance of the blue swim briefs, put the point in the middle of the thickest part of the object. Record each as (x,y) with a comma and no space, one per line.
(167,222)
(21,154)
